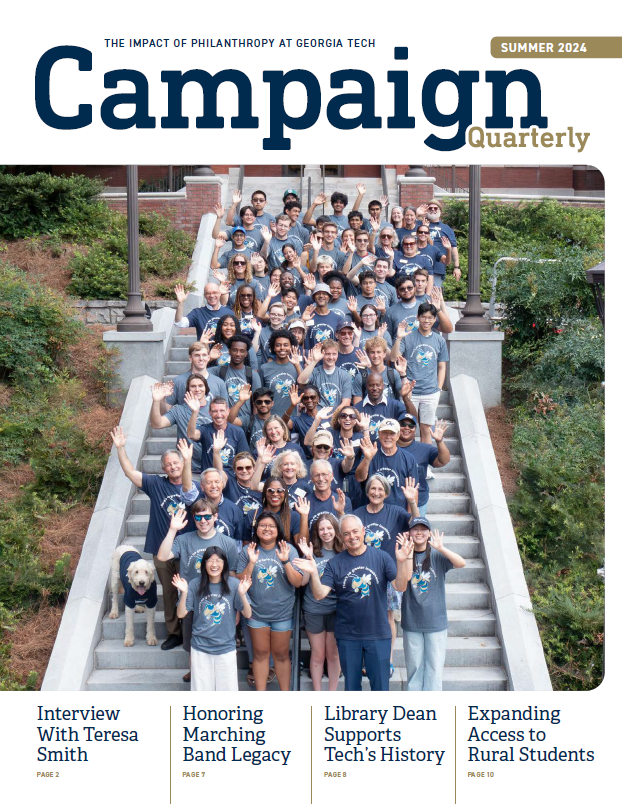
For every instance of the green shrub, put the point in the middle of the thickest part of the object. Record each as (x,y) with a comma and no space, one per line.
(151,224)
(99,274)
(540,297)
(559,504)
(36,327)
(40,203)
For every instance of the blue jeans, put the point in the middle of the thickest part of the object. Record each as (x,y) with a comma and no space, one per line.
(425,658)
(374,653)
(424,508)
(438,280)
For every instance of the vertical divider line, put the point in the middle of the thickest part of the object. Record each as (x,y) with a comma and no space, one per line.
(311,753)
(455,756)
(170,755)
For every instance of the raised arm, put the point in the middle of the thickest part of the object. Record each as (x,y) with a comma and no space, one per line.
(193,403)
(119,439)
(159,392)
(236,199)
(179,520)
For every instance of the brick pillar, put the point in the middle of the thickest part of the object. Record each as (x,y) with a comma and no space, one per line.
(202,193)
(415,190)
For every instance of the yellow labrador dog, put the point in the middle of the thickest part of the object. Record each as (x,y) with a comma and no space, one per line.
(135,577)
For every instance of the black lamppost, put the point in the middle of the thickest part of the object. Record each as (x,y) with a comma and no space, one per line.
(473,319)
(596,278)
(135,319)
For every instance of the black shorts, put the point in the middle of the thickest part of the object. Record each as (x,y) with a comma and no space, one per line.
(317,623)
(186,630)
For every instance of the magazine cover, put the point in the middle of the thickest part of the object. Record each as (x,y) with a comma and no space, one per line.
(271,425)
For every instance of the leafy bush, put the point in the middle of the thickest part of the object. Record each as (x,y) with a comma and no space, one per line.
(151,224)
(102,273)
(40,203)
(35,329)
(98,274)
(540,297)
(544,229)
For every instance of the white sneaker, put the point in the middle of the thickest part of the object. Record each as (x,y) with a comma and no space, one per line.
(430,474)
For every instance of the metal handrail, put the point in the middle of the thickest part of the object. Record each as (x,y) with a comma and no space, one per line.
(308,192)
(302,167)
(295,676)
(385,189)
(448,180)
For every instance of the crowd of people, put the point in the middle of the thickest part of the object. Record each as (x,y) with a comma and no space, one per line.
(319,353)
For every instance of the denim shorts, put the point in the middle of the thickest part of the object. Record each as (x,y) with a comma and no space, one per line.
(278,625)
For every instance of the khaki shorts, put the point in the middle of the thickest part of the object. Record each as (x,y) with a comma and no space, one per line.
(426,405)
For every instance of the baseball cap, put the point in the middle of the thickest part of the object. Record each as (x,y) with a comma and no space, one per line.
(237,229)
(289,192)
(419,520)
(343,324)
(409,420)
(297,322)
(389,424)
(323,437)
(321,288)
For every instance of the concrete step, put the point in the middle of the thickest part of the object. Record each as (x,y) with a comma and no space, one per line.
(467,622)
(467,596)
(448,483)
(115,629)
(482,678)
(472,651)
(183,341)
(455,679)
(448,503)
(179,354)
(474,572)
(158,444)
(454,524)
(163,432)
(466,546)
(176,367)
(111,654)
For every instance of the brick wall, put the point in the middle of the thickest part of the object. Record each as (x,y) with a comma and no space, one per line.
(411,195)
(184,213)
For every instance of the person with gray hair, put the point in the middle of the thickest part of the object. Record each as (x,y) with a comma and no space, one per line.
(359,576)
(321,497)
(165,495)
(203,319)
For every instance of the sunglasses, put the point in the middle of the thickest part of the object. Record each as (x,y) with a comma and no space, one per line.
(263,401)
(407,425)
(386,237)
(433,209)
(308,398)
(347,415)
(206,517)
(239,262)
(275,491)
(322,446)
(410,243)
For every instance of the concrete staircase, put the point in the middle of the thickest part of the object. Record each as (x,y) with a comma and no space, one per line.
(474,654)
(275,187)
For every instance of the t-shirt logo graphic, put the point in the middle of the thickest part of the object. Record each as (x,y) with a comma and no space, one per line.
(224,360)
(282,386)
(248,506)
(373,537)
(361,584)
(420,580)
(322,334)
(330,393)
(214,611)
(411,325)
(267,575)
(226,455)
(424,355)
(233,388)
(174,506)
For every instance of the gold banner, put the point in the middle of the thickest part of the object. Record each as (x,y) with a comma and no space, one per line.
(556,47)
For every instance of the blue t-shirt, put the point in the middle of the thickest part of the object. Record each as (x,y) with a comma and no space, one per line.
(424,605)
(230,520)
(338,257)
(395,468)
(323,328)
(236,442)
(213,616)
(279,378)
(381,528)
(341,222)
(253,239)
(391,409)
(360,583)
(400,312)
(423,354)
(437,230)
(301,425)
(203,319)
(334,388)
(424,455)
(271,594)
(275,249)
(247,500)
(130,596)
(328,604)
(392,384)
(215,384)
(348,363)
(166,499)
(189,547)
(318,507)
